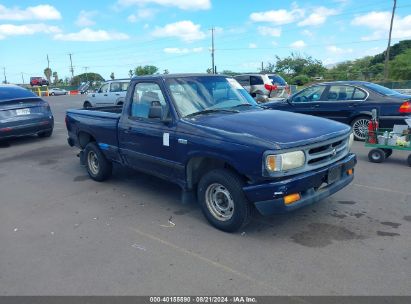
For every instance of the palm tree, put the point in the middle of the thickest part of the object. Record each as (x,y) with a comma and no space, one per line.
(47,73)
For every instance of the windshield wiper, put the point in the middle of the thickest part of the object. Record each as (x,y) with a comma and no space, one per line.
(207,111)
(242,104)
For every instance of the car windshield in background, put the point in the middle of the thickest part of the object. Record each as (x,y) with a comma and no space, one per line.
(277,80)
(197,94)
(380,89)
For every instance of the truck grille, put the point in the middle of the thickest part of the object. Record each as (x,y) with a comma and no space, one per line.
(325,153)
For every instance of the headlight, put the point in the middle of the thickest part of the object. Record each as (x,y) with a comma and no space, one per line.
(350,141)
(285,161)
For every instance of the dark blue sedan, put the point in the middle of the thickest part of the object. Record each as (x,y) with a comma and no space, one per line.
(23,113)
(349,102)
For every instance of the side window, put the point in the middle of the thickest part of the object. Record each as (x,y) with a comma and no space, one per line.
(243,80)
(115,87)
(256,80)
(146,94)
(359,94)
(340,93)
(104,88)
(309,94)
(124,86)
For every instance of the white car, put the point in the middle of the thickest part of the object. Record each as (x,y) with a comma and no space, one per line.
(110,93)
(57,91)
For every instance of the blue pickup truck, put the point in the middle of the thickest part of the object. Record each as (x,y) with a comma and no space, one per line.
(208,135)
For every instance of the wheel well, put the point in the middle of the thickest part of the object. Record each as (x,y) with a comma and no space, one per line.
(86,101)
(84,138)
(358,116)
(198,166)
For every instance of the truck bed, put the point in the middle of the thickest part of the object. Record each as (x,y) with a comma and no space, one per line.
(100,123)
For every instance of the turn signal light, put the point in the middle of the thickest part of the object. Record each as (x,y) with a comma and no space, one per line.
(405,107)
(350,171)
(291,198)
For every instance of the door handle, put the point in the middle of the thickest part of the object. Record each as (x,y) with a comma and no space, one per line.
(315,106)
(352,105)
(118,94)
(105,94)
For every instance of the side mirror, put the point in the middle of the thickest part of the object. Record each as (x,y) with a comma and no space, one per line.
(155,112)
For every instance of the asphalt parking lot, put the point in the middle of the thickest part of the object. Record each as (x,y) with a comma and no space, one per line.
(63,234)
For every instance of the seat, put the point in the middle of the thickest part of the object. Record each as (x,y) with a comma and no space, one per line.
(332,96)
(342,96)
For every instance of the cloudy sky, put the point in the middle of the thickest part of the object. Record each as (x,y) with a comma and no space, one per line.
(117,35)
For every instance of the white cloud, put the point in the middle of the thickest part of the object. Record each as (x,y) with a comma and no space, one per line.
(39,12)
(299,44)
(278,17)
(182,4)
(336,50)
(379,22)
(307,33)
(182,50)
(252,46)
(90,35)
(269,31)
(26,29)
(145,13)
(184,30)
(319,16)
(85,18)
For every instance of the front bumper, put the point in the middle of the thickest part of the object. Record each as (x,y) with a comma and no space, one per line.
(268,198)
(26,128)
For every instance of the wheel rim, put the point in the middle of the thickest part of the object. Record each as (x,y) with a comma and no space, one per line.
(360,128)
(219,202)
(93,164)
(376,156)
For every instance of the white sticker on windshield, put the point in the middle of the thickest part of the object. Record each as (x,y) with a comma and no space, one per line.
(166,139)
(234,83)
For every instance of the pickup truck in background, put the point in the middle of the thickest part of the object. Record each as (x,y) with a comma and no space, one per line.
(208,135)
(110,93)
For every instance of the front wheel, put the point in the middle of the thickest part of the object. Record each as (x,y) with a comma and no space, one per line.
(222,200)
(87,105)
(376,156)
(360,127)
(98,167)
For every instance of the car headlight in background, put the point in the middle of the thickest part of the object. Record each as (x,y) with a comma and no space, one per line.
(350,141)
(285,161)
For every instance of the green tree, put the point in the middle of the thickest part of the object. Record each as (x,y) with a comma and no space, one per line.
(166,71)
(295,65)
(112,75)
(47,73)
(400,66)
(56,78)
(145,70)
(86,77)
(130,73)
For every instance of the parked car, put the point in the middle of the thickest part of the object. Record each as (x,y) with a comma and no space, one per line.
(110,93)
(264,87)
(57,91)
(206,134)
(38,81)
(23,113)
(349,102)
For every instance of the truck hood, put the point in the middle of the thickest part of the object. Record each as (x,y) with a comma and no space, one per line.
(269,128)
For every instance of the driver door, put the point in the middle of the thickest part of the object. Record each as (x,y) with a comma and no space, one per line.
(99,98)
(308,100)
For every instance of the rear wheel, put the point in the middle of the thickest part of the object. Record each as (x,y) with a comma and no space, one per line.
(87,105)
(98,167)
(376,156)
(360,127)
(222,200)
(45,133)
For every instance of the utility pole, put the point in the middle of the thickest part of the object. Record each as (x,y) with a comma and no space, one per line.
(86,68)
(262,66)
(5,78)
(387,53)
(48,62)
(212,50)
(22,77)
(71,67)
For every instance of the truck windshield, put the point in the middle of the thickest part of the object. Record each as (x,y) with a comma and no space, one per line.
(204,93)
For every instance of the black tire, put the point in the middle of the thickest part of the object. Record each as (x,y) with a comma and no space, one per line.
(388,152)
(376,156)
(98,167)
(52,94)
(87,105)
(228,186)
(360,127)
(45,133)
(409,160)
